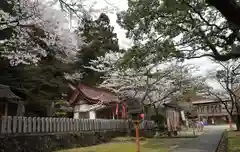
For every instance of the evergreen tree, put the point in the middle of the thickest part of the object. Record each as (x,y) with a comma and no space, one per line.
(29,34)
(39,86)
(183,28)
(100,39)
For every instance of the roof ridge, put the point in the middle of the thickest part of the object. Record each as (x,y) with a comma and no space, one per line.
(7,92)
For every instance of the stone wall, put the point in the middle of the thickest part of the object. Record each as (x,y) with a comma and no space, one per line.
(51,142)
(223,144)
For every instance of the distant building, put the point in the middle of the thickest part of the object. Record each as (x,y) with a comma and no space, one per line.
(212,111)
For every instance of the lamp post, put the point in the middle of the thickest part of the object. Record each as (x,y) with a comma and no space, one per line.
(137,122)
(137,135)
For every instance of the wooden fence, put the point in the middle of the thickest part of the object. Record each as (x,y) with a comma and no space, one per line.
(21,125)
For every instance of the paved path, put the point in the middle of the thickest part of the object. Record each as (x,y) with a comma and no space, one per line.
(206,142)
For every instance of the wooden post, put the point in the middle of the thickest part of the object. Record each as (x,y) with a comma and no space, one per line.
(29,124)
(24,124)
(34,126)
(6,109)
(54,125)
(50,124)
(66,125)
(46,124)
(20,124)
(175,122)
(4,125)
(39,126)
(71,125)
(168,126)
(137,136)
(9,124)
(14,124)
(43,125)
(57,124)
(61,121)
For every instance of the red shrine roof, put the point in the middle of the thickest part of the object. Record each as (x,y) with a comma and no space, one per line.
(92,95)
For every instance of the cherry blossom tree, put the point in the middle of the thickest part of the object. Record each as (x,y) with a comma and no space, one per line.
(31,29)
(152,85)
(227,77)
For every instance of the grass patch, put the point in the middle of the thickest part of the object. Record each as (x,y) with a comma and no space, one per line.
(124,145)
(234,141)
(125,139)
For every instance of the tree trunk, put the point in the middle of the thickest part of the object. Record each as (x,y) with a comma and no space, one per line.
(237,120)
(158,129)
(157,115)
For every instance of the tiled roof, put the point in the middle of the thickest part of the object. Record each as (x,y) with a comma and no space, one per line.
(93,94)
(98,94)
(5,92)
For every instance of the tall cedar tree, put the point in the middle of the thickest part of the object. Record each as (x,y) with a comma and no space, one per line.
(100,39)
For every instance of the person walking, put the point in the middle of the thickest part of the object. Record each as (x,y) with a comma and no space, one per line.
(201,125)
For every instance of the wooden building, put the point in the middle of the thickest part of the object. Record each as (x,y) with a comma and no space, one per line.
(90,102)
(212,111)
(10,104)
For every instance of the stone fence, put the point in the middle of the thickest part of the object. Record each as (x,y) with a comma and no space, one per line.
(34,125)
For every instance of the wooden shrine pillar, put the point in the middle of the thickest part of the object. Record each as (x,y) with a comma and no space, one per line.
(169,126)
(168,123)
(6,109)
(175,123)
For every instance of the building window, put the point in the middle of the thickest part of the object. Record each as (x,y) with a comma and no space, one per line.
(213,108)
(216,108)
(220,107)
